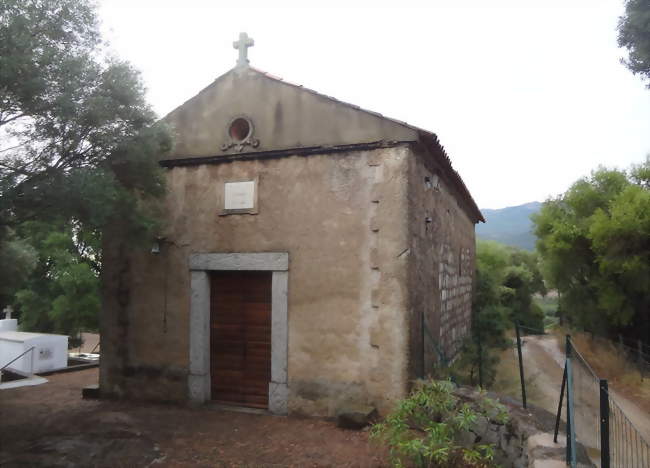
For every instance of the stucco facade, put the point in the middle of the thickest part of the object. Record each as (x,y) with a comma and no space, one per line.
(361,219)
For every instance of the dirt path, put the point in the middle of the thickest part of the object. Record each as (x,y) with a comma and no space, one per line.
(544,364)
(50,425)
(543,372)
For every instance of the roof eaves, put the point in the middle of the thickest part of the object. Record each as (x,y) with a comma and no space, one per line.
(431,140)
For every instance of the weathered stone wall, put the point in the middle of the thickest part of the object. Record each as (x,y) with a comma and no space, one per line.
(442,249)
(340,217)
(455,277)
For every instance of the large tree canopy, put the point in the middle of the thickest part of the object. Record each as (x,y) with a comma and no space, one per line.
(594,241)
(634,35)
(78,151)
(74,125)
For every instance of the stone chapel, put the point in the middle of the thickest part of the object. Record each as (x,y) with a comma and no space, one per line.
(313,255)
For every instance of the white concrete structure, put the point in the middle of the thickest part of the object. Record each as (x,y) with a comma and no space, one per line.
(7,325)
(50,351)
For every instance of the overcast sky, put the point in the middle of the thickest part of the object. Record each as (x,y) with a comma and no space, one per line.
(526,95)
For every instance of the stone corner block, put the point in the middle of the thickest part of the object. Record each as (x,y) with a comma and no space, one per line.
(278,398)
(198,388)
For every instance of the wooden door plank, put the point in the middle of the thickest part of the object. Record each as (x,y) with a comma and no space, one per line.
(241,337)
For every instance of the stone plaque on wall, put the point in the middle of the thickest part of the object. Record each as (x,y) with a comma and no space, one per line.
(240,197)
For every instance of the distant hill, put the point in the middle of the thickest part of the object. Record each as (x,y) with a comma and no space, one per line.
(510,226)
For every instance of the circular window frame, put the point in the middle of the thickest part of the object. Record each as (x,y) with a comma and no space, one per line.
(232,122)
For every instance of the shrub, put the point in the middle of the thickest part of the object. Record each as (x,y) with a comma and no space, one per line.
(428,428)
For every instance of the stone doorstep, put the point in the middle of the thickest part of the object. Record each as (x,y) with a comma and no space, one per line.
(90,392)
(238,409)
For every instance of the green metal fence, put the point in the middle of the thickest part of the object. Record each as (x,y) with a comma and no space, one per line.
(595,419)
(597,424)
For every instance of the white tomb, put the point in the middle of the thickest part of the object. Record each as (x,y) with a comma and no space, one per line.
(50,351)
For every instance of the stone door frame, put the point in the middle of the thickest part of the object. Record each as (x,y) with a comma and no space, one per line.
(201,264)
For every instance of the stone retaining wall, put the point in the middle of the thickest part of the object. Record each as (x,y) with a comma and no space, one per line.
(526,441)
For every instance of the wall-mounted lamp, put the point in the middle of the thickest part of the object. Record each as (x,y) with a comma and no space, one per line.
(156,246)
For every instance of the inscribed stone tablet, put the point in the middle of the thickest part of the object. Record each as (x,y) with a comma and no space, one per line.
(240,195)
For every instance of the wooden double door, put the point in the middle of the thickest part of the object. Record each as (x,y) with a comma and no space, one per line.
(240,337)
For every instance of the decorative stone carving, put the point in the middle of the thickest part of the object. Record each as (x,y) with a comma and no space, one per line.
(240,135)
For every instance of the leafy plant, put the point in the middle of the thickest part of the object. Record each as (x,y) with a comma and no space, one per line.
(62,294)
(427,428)
(593,242)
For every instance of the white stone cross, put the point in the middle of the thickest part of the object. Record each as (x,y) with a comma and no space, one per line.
(243,44)
(8,310)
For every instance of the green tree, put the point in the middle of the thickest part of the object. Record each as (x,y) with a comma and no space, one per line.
(78,143)
(477,363)
(634,35)
(506,279)
(514,277)
(18,259)
(594,241)
(62,295)
(620,239)
(76,130)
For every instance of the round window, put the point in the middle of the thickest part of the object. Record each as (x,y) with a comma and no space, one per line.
(240,129)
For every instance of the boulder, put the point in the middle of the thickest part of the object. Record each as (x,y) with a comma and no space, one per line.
(355,417)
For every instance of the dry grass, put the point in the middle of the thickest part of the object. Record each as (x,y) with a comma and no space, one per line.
(609,362)
(507,375)
(507,379)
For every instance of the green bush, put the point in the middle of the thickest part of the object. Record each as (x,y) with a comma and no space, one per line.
(427,428)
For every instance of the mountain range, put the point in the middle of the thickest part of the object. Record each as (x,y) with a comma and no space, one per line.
(510,225)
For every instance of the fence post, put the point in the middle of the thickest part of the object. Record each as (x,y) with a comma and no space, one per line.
(521,365)
(604,424)
(570,420)
(559,406)
(640,357)
(480,360)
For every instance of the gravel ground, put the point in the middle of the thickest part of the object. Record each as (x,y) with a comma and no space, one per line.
(50,425)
